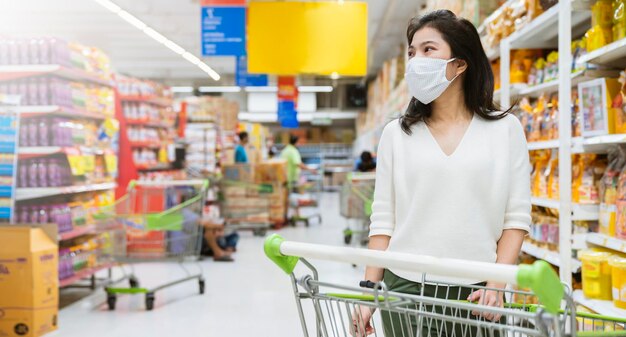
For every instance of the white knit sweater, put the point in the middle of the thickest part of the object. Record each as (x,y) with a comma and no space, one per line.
(453,206)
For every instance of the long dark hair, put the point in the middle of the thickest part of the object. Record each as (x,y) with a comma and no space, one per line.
(465,44)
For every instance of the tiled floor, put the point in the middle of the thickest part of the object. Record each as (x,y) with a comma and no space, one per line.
(250,297)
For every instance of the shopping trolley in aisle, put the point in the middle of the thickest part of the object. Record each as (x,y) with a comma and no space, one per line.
(306,194)
(357,194)
(247,206)
(547,310)
(158,222)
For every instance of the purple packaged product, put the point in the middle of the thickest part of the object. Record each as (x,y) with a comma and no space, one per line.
(4,52)
(33,92)
(23,91)
(54,173)
(23,215)
(34,214)
(33,128)
(14,54)
(42,172)
(33,49)
(24,129)
(32,174)
(23,179)
(44,126)
(44,51)
(43,91)
(44,213)
(22,46)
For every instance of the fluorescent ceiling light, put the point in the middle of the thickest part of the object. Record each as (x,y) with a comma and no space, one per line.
(219,89)
(114,8)
(315,88)
(182,89)
(262,89)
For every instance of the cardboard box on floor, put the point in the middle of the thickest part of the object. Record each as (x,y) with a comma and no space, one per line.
(29,280)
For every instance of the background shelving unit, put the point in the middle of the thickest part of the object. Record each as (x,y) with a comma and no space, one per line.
(31,197)
(554,29)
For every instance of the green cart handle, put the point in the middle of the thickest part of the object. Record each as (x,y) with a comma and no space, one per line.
(539,277)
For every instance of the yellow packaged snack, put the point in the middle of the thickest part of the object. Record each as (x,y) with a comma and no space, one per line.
(618,280)
(553,180)
(619,19)
(602,14)
(596,274)
(540,179)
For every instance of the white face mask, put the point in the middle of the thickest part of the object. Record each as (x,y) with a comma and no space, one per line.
(426,78)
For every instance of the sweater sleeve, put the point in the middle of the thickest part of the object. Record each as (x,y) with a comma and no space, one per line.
(383,207)
(518,208)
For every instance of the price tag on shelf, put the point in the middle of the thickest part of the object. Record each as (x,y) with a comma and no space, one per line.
(111,163)
(77,164)
(89,162)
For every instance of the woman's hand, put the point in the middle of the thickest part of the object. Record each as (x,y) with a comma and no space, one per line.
(491,298)
(361,321)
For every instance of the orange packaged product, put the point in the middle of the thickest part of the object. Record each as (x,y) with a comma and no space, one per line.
(618,106)
(553,180)
(538,116)
(540,179)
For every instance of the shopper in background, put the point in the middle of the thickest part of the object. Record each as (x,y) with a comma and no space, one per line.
(452,179)
(294,162)
(366,162)
(240,151)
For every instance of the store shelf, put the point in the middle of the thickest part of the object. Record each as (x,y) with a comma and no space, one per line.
(154,124)
(48,150)
(493,54)
(606,308)
(547,255)
(597,144)
(21,71)
(543,145)
(28,193)
(606,241)
(542,32)
(155,100)
(36,110)
(83,274)
(154,167)
(77,232)
(613,55)
(152,145)
(514,92)
(580,212)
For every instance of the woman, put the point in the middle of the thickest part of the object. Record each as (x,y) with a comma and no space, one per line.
(452,178)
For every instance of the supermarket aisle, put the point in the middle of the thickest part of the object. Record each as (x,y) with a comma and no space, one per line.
(248,297)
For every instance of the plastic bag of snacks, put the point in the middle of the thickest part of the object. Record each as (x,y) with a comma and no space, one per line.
(608,190)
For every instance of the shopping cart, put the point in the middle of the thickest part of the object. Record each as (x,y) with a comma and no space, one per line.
(357,194)
(545,311)
(306,194)
(247,206)
(157,222)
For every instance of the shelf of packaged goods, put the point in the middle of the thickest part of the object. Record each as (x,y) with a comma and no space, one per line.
(580,212)
(202,119)
(13,72)
(146,144)
(547,255)
(543,145)
(597,144)
(77,232)
(83,274)
(606,241)
(37,110)
(47,150)
(154,124)
(612,55)
(542,32)
(155,100)
(514,91)
(577,78)
(605,308)
(27,193)
(153,167)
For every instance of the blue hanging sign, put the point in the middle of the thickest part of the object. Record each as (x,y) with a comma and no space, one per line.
(223,31)
(287,114)
(244,79)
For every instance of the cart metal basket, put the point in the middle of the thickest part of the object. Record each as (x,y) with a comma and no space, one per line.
(357,195)
(247,206)
(156,222)
(547,310)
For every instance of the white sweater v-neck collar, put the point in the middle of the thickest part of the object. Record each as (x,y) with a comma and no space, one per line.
(458,146)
